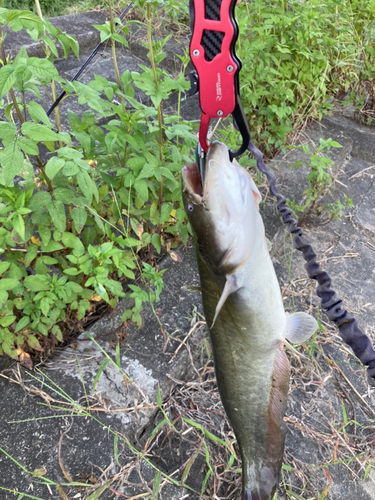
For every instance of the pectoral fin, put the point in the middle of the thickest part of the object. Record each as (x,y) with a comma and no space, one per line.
(300,326)
(231,286)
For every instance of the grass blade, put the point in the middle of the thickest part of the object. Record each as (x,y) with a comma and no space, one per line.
(96,494)
(61,492)
(115,449)
(97,376)
(156,487)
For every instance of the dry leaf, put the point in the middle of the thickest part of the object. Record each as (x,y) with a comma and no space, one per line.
(175,256)
(24,358)
(96,298)
(39,472)
(35,240)
(139,231)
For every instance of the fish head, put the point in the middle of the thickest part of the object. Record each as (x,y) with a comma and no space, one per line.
(223,212)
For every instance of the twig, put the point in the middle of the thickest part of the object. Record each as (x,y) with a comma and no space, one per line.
(361,172)
(350,385)
(192,330)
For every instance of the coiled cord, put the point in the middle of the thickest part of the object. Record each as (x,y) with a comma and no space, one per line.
(330,302)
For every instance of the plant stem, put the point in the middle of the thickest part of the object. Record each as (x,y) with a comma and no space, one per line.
(11,91)
(41,166)
(53,85)
(38,9)
(160,113)
(113,49)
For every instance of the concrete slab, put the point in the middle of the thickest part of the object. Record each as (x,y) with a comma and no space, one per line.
(363,137)
(352,267)
(365,215)
(146,357)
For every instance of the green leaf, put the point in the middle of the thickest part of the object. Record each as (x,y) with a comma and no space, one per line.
(146,172)
(34,343)
(86,184)
(12,15)
(50,261)
(73,44)
(8,284)
(88,235)
(39,200)
(54,165)
(4,266)
(38,114)
(69,239)
(97,493)
(74,120)
(56,331)
(51,45)
(37,283)
(79,216)
(11,160)
(7,79)
(72,271)
(27,145)
(40,267)
(24,321)
(156,241)
(70,169)
(65,195)
(69,153)
(19,225)
(38,132)
(7,132)
(141,188)
(165,212)
(136,162)
(42,68)
(56,210)
(3,297)
(110,180)
(52,246)
(7,320)
(89,118)
(31,253)
(44,307)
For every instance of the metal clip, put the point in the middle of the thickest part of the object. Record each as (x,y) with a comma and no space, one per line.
(200,159)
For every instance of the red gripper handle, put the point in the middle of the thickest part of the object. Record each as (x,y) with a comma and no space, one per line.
(212,53)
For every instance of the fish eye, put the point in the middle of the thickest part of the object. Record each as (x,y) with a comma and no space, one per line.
(190,208)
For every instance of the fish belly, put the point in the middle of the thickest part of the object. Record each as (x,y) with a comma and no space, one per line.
(252,372)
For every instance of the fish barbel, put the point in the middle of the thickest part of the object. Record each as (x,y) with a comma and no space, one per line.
(245,314)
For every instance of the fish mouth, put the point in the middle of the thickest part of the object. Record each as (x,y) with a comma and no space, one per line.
(192,182)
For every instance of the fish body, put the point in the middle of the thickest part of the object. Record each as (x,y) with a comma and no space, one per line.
(245,313)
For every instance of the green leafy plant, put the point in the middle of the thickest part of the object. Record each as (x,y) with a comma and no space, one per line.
(320,179)
(297,55)
(73,227)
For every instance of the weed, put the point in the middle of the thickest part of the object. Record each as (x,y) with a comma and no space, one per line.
(71,227)
(320,178)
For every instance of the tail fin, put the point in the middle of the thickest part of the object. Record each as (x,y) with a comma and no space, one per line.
(255,494)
